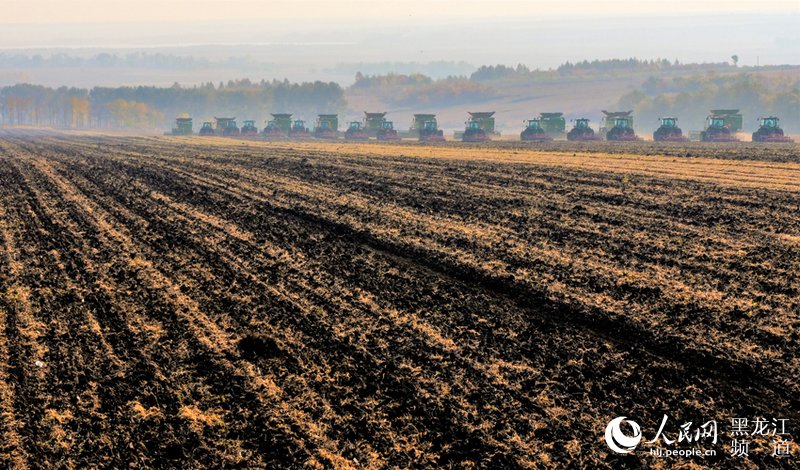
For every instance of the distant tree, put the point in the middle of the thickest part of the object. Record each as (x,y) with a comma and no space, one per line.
(735,59)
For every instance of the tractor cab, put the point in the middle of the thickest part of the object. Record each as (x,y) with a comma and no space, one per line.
(581,123)
(534,124)
(355,126)
(430,125)
(669,122)
(716,122)
(621,123)
(387,125)
(769,122)
(299,125)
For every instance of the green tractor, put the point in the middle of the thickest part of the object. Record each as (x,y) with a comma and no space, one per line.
(299,130)
(430,132)
(669,131)
(770,131)
(474,133)
(534,132)
(387,132)
(356,131)
(249,129)
(619,126)
(228,126)
(207,129)
(717,130)
(581,132)
(327,126)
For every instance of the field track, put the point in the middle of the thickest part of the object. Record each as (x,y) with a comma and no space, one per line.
(211,303)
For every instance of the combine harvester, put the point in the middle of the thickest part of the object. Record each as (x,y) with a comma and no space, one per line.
(373,123)
(554,125)
(480,127)
(387,132)
(669,131)
(534,132)
(299,131)
(327,126)
(581,132)
(207,129)
(273,131)
(720,126)
(619,126)
(770,131)
(426,128)
(278,127)
(183,125)
(356,131)
(377,126)
(249,129)
(228,126)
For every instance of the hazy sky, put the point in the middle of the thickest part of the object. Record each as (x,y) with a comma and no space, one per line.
(74,11)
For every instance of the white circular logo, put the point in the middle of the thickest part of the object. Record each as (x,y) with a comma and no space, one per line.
(617,440)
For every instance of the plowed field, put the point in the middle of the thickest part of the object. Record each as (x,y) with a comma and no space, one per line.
(179,302)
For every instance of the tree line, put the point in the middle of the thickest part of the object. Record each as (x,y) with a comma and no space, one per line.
(606,67)
(155,107)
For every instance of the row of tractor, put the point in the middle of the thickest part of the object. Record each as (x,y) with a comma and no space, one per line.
(722,125)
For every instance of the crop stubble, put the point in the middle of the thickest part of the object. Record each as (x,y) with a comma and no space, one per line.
(223,303)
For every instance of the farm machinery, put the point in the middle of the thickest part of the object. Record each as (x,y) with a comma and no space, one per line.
(376,125)
(534,132)
(327,126)
(228,126)
(183,125)
(299,130)
(387,131)
(273,131)
(717,131)
(278,127)
(669,131)
(356,131)
(619,126)
(553,124)
(722,126)
(373,123)
(479,128)
(207,129)
(249,129)
(770,131)
(474,133)
(426,127)
(581,132)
